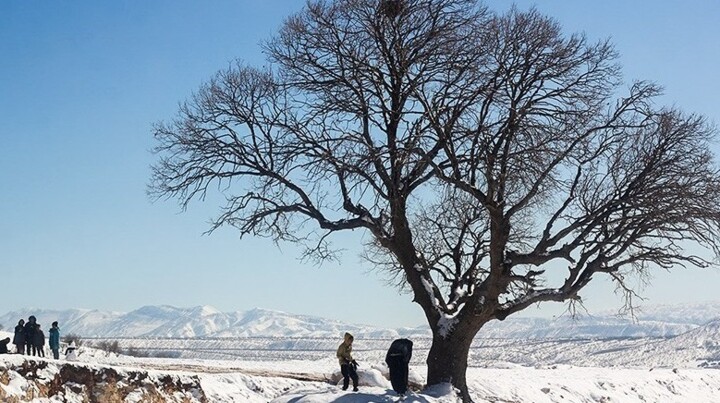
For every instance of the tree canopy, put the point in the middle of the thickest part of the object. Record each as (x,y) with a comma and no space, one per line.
(481,151)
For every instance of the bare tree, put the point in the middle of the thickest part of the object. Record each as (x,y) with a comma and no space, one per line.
(481,151)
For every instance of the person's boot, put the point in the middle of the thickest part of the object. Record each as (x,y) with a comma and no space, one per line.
(355,389)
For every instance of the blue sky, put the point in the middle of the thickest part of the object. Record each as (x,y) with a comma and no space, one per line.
(81,83)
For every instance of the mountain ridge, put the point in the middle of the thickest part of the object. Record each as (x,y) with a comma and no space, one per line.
(207,321)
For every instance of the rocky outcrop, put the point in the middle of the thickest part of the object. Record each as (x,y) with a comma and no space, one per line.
(24,380)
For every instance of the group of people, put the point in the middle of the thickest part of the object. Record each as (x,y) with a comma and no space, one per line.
(397,359)
(30,339)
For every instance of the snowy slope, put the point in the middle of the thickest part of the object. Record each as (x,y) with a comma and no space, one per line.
(141,380)
(698,347)
(584,327)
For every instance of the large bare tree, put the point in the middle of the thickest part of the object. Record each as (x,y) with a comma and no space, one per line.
(483,153)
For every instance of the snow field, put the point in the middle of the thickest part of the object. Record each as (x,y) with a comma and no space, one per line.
(262,382)
(306,380)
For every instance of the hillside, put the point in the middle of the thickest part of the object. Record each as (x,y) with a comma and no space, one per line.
(208,322)
(201,321)
(189,381)
(698,347)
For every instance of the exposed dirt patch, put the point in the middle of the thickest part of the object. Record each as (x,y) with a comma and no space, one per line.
(37,379)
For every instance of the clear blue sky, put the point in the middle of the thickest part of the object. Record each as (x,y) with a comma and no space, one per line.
(81,83)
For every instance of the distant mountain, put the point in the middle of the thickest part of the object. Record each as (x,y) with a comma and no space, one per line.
(582,327)
(205,321)
(698,347)
(649,321)
(201,321)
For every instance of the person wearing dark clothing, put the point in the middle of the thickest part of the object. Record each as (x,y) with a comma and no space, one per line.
(30,328)
(3,345)
(348,366)
(39,342)
(19,338)
(55,340)
(398,359)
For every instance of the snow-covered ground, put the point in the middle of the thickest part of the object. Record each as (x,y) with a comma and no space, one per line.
(698,347)
(283,369)
(314,381)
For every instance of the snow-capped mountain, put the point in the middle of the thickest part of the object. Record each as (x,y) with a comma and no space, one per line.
(698,347)
(200,321)
(648,321)
(205,321)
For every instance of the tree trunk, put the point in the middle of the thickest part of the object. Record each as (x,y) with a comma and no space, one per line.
(447,360)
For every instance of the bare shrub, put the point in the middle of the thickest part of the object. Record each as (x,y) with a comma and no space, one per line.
(167,354)
(109,346)
(136,352)
(72,337)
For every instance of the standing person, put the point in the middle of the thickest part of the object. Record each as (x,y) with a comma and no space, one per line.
(39,342)
(55,340)
(348,366)
(398,360)
(19,338)
(30,328)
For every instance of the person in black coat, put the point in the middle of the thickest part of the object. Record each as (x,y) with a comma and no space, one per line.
(19,338)
(3,345)
(398,360)
(30,328)
(39,342)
